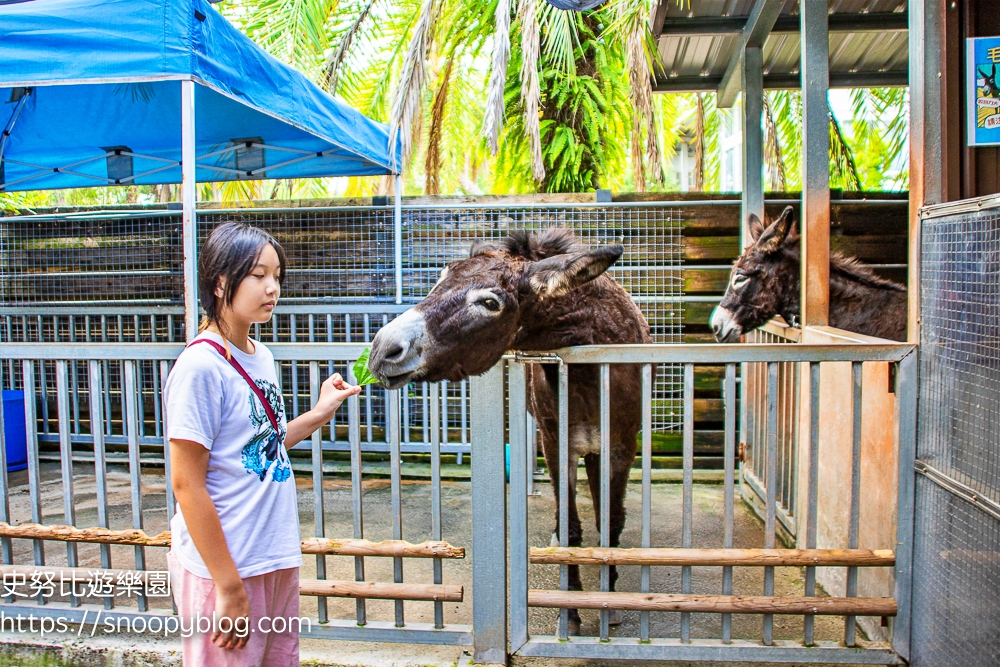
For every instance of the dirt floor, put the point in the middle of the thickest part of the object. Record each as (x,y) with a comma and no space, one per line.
(666,531)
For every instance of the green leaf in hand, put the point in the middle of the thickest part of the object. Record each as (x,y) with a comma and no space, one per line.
(361,372)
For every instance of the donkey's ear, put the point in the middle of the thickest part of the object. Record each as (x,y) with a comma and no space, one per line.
(756,226)
(555,276)
(481,247)
(775,235)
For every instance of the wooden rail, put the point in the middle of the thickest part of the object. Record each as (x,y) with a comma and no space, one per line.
(313,545)
(718,604)
(374,590)
(727,557)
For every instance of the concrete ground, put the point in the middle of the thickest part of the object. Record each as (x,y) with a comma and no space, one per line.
(69,650)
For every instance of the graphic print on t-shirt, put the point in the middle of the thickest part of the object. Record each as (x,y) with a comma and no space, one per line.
(266,448)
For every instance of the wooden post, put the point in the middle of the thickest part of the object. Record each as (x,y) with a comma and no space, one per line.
(815,222)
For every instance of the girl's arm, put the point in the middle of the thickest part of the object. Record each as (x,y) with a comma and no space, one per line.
(189,466)
(332,394)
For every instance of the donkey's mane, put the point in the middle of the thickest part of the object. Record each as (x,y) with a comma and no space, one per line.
(853,268)
(849,267)
(538,246)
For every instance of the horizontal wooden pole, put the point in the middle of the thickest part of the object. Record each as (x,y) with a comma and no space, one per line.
(718,604)
(709,557)
(315,587)
(79,575)
(313,545)
(375,590)
(390,548)
(94,535)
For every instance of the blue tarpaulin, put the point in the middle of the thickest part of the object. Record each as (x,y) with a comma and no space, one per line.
(90,94)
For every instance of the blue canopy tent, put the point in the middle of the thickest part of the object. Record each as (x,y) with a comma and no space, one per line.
(141,92)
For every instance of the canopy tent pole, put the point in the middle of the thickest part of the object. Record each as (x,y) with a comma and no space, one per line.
(189,219)
(397,237)
(753,140)
(815,218)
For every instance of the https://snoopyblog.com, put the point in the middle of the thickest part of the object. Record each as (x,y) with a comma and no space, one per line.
(127,584)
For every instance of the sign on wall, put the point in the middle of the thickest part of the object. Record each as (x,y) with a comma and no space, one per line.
(983,66)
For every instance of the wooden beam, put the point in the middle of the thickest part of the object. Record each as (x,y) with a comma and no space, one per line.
(755,32)
(717,604)
(785,24)
(386,548)
(376,590)
(814,278)
(371,590)
(93,535)
(704,84)
(714,557)
(313,545)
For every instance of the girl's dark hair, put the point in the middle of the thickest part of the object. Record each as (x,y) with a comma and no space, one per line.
(232,250)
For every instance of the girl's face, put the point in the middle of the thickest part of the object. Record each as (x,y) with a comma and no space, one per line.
(258,293)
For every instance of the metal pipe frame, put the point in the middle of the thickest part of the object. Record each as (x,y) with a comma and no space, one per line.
(769,461)
(189,198)
(102,369)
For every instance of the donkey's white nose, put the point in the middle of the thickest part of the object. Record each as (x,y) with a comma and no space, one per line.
(724,325)
(397,349)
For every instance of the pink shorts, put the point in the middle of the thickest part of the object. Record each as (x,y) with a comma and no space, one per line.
(274,597)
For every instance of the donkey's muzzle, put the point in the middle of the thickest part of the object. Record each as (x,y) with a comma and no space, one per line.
(397,350)
(724,326)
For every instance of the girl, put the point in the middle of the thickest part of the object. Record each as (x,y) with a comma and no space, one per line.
(236,551)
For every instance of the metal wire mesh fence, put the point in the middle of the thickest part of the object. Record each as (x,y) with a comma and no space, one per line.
(118,277)
(957,536)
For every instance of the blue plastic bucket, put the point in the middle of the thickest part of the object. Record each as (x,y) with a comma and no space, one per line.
(15,439)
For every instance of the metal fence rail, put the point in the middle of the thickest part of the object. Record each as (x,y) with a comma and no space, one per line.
(117,276)
(94,365)
(684,646)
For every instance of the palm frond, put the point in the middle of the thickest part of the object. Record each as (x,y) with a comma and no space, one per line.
(432,163)
(332,70)
(493,120)
(842,156)
(774,163)
(406,99)
(530,92)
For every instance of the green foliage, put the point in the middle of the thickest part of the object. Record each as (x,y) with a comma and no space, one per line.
(361,372)
(585,109)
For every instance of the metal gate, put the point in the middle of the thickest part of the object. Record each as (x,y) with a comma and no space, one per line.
(722,602)
(102,403)
(956,606)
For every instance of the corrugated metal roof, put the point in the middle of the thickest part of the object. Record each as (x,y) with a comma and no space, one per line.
(862,48)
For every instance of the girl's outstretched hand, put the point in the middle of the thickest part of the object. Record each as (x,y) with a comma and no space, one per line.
(334,391)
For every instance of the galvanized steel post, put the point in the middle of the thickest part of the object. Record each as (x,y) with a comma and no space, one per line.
(189,215)
(489,520)
(397,237)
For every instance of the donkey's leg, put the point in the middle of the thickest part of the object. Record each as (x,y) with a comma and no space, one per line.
(619,485)
(575,535)
(593,464)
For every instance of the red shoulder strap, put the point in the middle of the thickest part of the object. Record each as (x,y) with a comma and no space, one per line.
(253,385)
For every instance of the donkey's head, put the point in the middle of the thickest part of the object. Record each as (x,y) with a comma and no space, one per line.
(764,281)
(472,315)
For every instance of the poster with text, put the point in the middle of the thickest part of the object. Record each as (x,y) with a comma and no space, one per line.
(984,91)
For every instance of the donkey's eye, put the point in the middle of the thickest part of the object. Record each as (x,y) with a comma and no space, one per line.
(739,280)
(491,304)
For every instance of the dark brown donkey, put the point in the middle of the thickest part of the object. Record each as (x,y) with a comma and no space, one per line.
(531,294)
(765,282)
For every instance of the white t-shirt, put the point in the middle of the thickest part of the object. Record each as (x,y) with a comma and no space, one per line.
(249,476)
